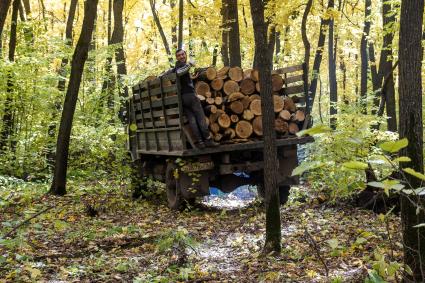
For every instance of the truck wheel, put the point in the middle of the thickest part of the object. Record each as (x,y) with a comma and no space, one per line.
(174,197)
(284,194)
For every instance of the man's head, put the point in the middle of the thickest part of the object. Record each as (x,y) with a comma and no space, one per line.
(181,55)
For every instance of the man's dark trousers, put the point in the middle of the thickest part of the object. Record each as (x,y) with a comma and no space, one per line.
(195,115)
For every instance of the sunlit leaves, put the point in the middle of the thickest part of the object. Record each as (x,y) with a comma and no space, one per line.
(357,165)
(394,146)
(414,173)
(320,129)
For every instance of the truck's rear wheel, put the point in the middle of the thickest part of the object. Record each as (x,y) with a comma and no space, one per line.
(174,196)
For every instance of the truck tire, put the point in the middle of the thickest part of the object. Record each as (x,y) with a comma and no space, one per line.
(174,197)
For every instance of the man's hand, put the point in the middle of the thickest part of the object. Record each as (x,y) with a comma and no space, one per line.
(192,62)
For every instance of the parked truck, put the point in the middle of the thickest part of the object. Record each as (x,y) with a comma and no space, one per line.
(160,143)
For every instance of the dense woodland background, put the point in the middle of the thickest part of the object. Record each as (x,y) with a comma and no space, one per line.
(359,77)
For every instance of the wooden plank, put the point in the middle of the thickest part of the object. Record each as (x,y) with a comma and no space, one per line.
(156,91)
(142,85)
(149,124)
(171,100)
(293,89)
(294,79)
(162,142)
(288,69)
(158,130)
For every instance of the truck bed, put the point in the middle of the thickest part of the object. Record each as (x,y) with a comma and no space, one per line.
(249,145)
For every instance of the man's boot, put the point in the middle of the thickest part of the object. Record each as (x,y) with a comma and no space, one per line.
(210,143)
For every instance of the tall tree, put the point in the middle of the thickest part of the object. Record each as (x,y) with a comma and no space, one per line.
(4,8)
(411,127)
(109,80)
(174,26)
(264,45)
(7,129)
(180,37)
(161,31)
(234,37)
(333,88)
(77,66)
(364,57)
(118,39)
(324,22)
(306,43)
(224,34)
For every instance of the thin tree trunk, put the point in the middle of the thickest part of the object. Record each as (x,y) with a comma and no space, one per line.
(264,47)
(364,58)
(7,130)
(306,43)
(77,66)
(174,26)
(215,54)
(109,80)
(4,8)
(224,34)
(277,48)
(118,38)
(161,31)
(411,127)
(180,38)
(333,88)
(318,56)
(234,37)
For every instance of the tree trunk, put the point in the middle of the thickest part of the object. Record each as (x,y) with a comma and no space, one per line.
(77,66)
(161,31)
(50,155)
(265,61)
(234,38)
(224,34)
(411,127)
(4,8)
(109,80)
(180,38)
(306,43)
(333,89)
(318,56)
(8,121)
(118,38)
(364,58)
(174,26)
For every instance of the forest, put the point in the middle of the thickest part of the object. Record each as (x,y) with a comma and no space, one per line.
(312,170)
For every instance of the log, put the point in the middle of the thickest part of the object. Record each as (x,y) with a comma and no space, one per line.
(280,125)
(289,105)
(248,115)
(278,103)
(210,109)
(255,107)
(229,133)
(208,94)
(257,86)
(234,118)
(236,107)
(299,116)
(246,101)
(251,74)
(215,128)
(222,73)
(211,73)
(243,129)
(218,137)
(214,116)
(217,84)
(293,128)
(207,120)
(218,100)
(257,125)
(210,100)
(235,96)
(277,82)
(201,88)
(200,97)
(285,115)
(236,74)
(224,121)
(247,86)
(230,87)
(254,96)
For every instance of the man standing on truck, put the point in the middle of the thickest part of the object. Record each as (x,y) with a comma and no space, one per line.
(191,104)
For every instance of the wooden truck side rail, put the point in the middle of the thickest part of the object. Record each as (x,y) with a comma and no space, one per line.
(157,122)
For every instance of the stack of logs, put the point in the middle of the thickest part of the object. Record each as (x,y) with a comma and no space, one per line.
(232,104)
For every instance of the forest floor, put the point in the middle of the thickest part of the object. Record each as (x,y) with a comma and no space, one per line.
(96,233)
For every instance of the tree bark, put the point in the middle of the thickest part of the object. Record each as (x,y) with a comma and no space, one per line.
(411,127)
(364,58)
(77,66)
(318,57)
(8,121)
(264,46)
(224,34)
(109,80)
(234,37)
(306,43)
(118,38)
(333,88)
(174,26)
(180,38)
(4,8)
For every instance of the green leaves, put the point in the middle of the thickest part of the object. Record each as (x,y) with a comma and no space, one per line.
(356,165)
(394,146)
(320,129)
(306,166)
(414,173)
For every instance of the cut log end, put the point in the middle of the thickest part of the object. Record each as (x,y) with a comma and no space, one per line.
(243,129)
